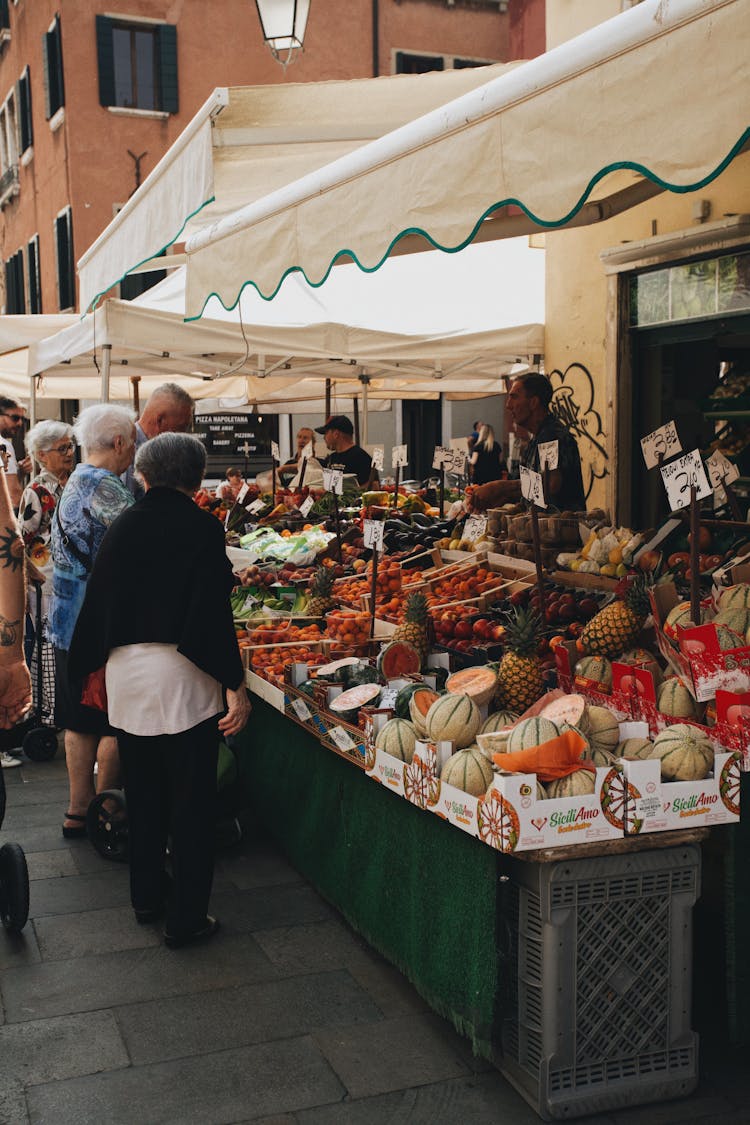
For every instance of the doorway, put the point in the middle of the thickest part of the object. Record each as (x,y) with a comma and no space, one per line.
(422,431)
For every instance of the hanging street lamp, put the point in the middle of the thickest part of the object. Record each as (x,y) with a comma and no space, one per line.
(283,23)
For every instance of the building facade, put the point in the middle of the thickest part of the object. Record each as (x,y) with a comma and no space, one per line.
(93,94)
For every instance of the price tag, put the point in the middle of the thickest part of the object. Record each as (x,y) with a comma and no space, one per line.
(387,699)
(256,506)
(301,710)
(548,455)
(306,452)
(680,475)
(721,470)
(243,492)
(633,730)
(398,456)
(378,456)
(474,528)
(532,488)
(442,458)
(459,460)
(275,453)
(342,739)
(372,534)
(661,444)
(333,481)
(249,603)
(306,505)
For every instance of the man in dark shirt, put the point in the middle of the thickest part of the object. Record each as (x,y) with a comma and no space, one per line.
(528,406)
(344,454)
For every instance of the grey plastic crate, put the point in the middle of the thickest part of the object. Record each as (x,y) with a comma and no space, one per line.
(598,984)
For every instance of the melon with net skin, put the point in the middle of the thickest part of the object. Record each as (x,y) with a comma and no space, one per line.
(581,783)
(398,738)
(419,705)
(531,732)
(597,669)
(735,597)
(603,729)
(468,769)
(673,698)
(454,718)
(634,749)
(684,752)
(499,721)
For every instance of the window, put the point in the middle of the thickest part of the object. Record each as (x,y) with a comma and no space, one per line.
(137,65)
(35,280)
(4,18)
(407,63)
(8,150)
(66,269)
(15,301)
(25,126)
(54,86)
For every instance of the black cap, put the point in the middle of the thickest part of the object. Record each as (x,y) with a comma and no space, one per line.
(336,422)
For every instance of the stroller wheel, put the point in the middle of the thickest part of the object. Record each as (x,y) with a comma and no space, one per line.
(14,887)
(107,825)
(40,744)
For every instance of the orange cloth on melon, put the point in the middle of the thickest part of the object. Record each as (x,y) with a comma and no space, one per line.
(558,757)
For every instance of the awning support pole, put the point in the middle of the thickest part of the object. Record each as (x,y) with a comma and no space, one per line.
(365,381)
(106,360)
(355,404)
(135,380)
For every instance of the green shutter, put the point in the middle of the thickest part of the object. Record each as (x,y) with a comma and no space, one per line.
(45,77)
(167,39)
(105,55)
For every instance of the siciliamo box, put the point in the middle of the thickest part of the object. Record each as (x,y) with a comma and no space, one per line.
(682,804)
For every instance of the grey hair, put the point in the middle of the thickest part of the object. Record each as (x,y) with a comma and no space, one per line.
(172,390)
(43,436)
(96,427)
(172,461)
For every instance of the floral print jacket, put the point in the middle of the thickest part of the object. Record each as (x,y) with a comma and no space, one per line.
(35,517)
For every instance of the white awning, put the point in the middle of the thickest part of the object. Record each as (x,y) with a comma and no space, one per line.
(245,142)
(654,99)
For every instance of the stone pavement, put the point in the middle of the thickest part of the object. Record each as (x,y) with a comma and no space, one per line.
(285,1018)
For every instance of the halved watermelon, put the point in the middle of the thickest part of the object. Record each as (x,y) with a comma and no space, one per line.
(347,705)
(398,658)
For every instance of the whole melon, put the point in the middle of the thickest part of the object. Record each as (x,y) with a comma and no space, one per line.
(681,616)
(420,701)
(685,753)
(455,718)
(644,659)
(398,738)
(531,732)
(541,792)
(469,770)
(736,597)
(634,749)
(728,638)
(673,698)
(736,618)
(604,729)
(597,669)
(499,721)
(580,783)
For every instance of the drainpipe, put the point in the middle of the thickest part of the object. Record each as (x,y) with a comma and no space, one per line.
(375,38)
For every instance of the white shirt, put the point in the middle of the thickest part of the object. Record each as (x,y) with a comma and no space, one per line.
(153,689)
(12,464)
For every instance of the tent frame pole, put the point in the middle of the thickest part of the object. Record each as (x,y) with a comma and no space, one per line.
(106,361)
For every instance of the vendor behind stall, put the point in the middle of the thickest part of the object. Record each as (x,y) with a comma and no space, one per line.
(528,403)
(344,454)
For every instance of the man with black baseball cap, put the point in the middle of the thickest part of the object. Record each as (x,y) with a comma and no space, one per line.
(338,434)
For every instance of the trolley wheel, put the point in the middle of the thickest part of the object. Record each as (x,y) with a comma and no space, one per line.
(14,887)
(40,744)
(107,825)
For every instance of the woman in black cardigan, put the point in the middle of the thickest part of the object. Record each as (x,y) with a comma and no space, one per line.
(157,615)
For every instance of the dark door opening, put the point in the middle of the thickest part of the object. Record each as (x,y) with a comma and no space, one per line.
(422,429)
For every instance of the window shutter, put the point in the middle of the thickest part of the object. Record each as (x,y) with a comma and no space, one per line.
(35,296)
(167,40)
(48,111)
(25,122)
(4,14)
(65,263)
(106,57)
(54,68)
(10,295)
(20,289)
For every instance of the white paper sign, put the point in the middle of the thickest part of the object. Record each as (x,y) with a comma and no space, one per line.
(301,710)
(388,698)
(633,730)
(243,492)
(549,452)
(256,506)
(372,534)
(459,460)
(378,456)
(398,456)
(721,470)
(532,488)
(680,475)
(341,738)
(275,453)
(306,505)
(660,445)
(442,458)
(474,528)
(333,481)
(306,452)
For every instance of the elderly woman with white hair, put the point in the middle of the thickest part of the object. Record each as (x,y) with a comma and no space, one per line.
(92,499)
(52,446)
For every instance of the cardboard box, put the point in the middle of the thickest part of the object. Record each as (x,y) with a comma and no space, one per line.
(663,806)
(580,580)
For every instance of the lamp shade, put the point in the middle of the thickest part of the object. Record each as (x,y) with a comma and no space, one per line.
(283,23)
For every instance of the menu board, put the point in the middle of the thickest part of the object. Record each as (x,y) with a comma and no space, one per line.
(239,440)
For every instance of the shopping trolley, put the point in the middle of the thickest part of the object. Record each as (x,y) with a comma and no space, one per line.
(39,740)
(14,879)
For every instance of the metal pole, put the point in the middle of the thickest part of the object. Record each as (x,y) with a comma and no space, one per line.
(106,360)
(135,380)
(328,398)
(365,407)
(355,404)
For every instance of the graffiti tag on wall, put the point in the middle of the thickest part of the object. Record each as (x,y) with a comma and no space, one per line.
(573,405)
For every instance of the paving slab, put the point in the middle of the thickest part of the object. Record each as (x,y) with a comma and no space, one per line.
(82,892)
(49,1050)
(21,949)
(89,862)
(53,988)
(404,1052)
(698,1108)
(264,908)
(65,936)
(193,1025)
(39,793)
(32,813)
(43,838)
(50,865)
(228,1086)
(309,946)
(12,1101)
(261,866)
(54,770)
(391,991)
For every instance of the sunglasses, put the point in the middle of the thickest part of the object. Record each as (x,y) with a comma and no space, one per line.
(14,417)
(62,448)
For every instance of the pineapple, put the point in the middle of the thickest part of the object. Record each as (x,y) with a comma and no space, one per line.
(519,677)
(321,588)
(413,630)
(615,628)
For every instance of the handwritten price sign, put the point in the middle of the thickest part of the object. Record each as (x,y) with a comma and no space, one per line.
(683,474)
(306,452)
(341,738)
(275,453)
(333,481)
(721,470)
(459,460)
(306,505)
(378,457)
(549,452)
(660,445)
(474,528)
(442,458)
(243,493)
(532,488)
(399,457)
(372,534)
(256,506)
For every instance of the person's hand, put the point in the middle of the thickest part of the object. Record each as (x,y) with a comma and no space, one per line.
(15,693)
(238,712)
(25,465)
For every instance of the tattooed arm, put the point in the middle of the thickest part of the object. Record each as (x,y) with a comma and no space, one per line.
(15,682)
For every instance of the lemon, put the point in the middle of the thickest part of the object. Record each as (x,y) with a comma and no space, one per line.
(609,569)
(621,571)
(615,556)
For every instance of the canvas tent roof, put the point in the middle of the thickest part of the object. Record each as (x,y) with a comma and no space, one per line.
(653,99)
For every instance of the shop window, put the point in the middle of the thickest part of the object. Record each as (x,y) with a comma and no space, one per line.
(692,290)
(15,300)
(137,65)
(54,84)
(34,274)
(25,125)
(66,267)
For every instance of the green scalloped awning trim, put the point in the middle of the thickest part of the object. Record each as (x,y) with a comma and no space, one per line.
(95,300)
(548,224)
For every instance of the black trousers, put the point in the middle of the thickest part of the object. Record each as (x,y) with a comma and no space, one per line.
(170,788)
